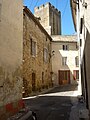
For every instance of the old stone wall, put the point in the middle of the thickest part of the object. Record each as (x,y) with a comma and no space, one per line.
(35,64)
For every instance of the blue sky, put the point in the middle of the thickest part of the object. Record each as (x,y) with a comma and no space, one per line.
(61,5)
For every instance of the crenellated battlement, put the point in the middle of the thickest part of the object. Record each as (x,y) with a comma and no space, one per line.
(48,4)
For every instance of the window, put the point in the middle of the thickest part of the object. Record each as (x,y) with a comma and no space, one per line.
(80,42)
(65,47)
(33,48)
(45,55)
(64,60)
(77,61)
(81,25)
(0,11)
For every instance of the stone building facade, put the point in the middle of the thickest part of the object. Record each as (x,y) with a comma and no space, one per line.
(11,53)
(49,17)
(65,61)
(36,55)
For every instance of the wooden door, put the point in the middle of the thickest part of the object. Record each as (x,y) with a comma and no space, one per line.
(64,76)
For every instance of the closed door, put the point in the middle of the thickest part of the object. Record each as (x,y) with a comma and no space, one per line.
(64,76)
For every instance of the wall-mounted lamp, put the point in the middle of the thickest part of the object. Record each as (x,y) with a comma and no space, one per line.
(52,53)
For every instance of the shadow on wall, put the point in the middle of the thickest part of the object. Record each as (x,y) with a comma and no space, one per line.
(65,74)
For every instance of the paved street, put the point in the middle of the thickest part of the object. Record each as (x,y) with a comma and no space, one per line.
(54,105)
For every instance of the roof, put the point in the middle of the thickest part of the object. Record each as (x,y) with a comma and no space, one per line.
(64,38)
(29,13)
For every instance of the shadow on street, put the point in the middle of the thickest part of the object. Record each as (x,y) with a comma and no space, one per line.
(53,105)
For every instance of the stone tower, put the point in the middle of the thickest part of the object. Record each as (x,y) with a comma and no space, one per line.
(50,18)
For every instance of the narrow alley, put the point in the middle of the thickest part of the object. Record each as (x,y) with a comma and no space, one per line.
(53,105)
(45,60)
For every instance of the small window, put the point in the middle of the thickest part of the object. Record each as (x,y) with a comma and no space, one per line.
(45,55)
(33,48)
(77,61)
(64,60)
(65,47)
